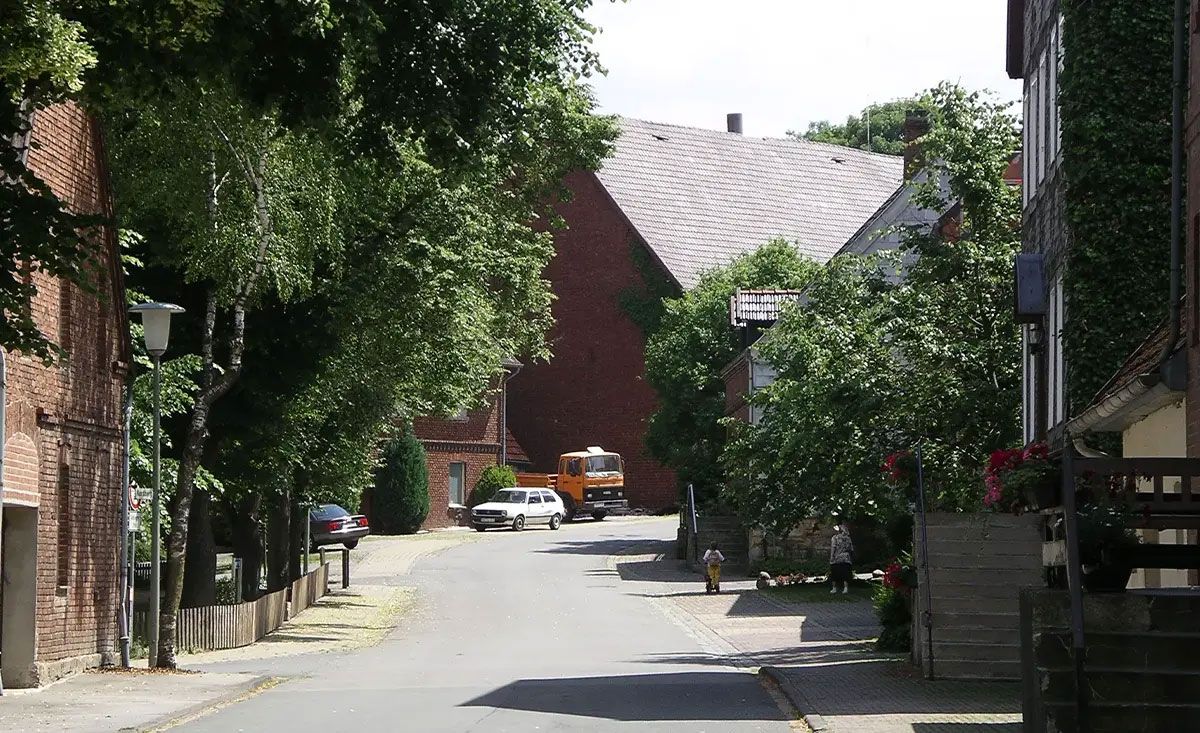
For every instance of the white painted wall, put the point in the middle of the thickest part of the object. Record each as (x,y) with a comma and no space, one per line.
(1162,434)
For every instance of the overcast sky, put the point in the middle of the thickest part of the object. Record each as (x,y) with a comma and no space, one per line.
(784,63)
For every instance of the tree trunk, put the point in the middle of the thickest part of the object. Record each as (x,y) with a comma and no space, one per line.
(247,543)
(200,565)
(279,531)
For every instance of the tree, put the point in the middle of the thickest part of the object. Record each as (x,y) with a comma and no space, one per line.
(885,134)
(951,316)
(685,356)
(400,497)
(490,481)
(828,417)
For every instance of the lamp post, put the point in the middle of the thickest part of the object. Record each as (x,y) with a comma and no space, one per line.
(156,328)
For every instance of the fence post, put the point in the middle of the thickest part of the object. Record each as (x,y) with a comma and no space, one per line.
(345,568)
(321,552)
(236,571)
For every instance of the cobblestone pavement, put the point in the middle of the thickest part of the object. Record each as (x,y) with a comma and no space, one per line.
(822,651)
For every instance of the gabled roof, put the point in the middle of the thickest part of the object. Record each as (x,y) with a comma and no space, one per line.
(699,198)
(759,306)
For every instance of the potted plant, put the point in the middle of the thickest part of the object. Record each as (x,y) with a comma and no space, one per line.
(1022,479)
(1104,534)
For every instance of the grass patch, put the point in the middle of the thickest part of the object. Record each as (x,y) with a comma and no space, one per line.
(860,591)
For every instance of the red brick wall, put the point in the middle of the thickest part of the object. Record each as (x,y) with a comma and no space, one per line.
(737,383)
(64,422)
(593,391)
(474,441)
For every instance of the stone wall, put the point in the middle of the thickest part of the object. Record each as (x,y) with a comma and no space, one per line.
(978,565)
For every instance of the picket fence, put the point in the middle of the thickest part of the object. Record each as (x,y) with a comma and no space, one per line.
(231,626)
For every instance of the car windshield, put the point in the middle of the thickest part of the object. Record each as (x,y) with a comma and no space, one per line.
(328,511)
(509,497)
(604,464)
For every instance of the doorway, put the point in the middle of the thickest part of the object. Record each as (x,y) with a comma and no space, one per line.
(18,595)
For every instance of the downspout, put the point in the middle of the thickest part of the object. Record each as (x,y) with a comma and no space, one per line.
(1169,370)
(125,604)
(3,427)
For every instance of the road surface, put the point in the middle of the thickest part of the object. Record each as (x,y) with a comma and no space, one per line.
(531,631)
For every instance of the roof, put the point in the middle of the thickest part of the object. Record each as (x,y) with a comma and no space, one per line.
(513,450)
(1135,391)
(699,198)
(759,306)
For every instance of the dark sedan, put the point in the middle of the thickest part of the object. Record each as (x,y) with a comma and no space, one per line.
(329,524)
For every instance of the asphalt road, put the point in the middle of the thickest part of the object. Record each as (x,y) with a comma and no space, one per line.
(527,631)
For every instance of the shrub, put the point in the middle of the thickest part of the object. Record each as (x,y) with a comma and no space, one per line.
(490,481)
(895,619)
(400,497)
(227,592)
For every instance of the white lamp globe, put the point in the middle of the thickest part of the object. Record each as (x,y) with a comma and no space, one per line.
(156,324)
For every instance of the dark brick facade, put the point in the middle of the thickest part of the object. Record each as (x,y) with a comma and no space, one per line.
(63,440)
(594,390)
(737,387)
(1192,254)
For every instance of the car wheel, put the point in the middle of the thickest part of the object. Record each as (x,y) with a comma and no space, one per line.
(350,545)
(479,528)
(556,521)
(519,523)
(599,515)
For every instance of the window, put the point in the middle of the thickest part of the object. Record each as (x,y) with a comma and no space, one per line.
(535,498)
(458,483)
(64,525)
(548,497)
(575,467)
(604,464)
(460,416)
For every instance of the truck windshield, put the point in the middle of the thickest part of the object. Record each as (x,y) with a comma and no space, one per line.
(509,497)
(604,464)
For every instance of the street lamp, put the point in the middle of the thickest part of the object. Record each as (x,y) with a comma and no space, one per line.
(156,327)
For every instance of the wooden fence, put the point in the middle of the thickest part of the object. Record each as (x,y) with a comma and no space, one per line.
(230,626)
(308,588)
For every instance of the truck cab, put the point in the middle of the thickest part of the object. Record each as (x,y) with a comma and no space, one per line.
(590,481)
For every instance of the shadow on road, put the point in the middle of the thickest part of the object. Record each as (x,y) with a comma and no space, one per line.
(610,546)
(966,727)
(723,696)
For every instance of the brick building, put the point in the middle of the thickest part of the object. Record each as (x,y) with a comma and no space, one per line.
(459,448)
(671,203)
(63,450)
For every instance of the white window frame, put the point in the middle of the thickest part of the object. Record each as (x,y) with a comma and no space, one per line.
(462,487)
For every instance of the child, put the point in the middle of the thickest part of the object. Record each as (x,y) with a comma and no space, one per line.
(712,560)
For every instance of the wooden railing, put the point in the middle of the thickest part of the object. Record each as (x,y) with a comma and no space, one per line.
(231,626)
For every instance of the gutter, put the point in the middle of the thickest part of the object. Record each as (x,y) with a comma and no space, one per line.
(1137,398)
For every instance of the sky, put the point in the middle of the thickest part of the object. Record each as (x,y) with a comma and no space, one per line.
(785,63)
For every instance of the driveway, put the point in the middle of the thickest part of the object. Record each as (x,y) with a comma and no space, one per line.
(517,632)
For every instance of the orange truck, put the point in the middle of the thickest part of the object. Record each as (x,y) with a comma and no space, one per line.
(589,482)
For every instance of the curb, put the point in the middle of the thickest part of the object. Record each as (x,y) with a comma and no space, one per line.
(797,698)
(237,694)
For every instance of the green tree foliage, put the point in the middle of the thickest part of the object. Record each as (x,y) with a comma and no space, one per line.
(886,132)
(951,316)
(490,481)
(828,417)
(400,498)
(1115,97)
(886,356)
(685,356)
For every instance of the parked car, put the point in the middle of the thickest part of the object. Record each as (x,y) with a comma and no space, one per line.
(518,507)
(329,524)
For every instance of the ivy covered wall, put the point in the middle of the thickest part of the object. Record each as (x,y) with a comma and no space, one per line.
(1115,98)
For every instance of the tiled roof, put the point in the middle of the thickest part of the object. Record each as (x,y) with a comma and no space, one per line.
(514,451)
(702,197)
(759,306)
(1144,359)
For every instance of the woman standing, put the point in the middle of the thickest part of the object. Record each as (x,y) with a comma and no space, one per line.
(841,554)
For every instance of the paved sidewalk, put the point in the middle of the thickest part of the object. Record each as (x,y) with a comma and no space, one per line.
(822,654)
(110,700)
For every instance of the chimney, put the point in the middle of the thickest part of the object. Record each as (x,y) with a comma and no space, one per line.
(733,122)
(916,126)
